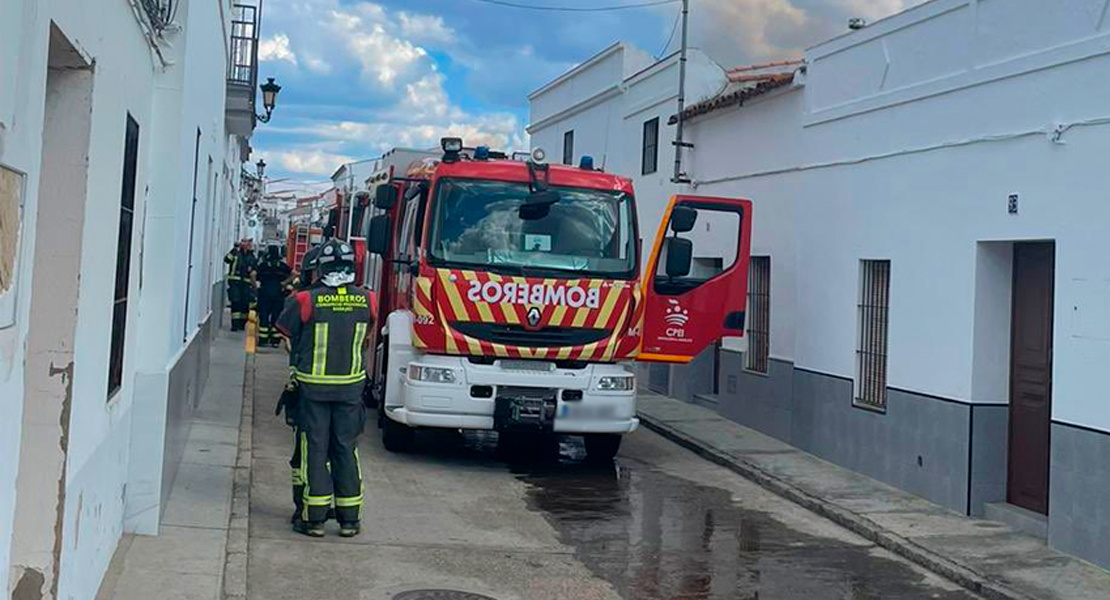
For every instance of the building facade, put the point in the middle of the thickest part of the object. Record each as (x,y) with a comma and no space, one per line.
(614,108)
(119,194)
(929,299)
(929,278)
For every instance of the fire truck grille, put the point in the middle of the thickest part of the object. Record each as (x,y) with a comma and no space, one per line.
(515,335)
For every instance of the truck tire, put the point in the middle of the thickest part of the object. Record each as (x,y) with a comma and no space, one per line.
(602,446)
(396,437)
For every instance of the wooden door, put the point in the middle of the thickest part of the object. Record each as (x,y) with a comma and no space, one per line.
(1031,375)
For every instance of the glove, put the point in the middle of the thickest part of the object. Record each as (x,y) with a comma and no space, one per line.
(288,401)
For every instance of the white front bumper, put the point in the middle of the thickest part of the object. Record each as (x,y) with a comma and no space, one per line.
(452,405)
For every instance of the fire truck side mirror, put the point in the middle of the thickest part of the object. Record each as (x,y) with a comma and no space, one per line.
(683,219)
(385,196)
(377,238)
(680,257)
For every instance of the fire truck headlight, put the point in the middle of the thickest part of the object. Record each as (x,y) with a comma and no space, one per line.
(431,374)
(617,383)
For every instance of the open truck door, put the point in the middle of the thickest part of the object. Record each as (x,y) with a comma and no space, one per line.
(696,283)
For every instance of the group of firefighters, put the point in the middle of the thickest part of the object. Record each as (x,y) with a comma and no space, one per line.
(324,320)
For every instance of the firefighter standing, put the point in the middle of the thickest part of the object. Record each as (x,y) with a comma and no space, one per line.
(290,397)
(327,327)
(272,274)
(240,284)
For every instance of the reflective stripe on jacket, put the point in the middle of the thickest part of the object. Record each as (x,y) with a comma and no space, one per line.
(328,328)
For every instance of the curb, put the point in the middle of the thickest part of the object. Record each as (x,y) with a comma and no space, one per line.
(238,531)
(969,579)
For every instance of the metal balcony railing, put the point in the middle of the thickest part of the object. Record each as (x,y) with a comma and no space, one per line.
(242,68)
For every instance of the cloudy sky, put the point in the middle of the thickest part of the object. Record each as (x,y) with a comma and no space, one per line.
(361,77)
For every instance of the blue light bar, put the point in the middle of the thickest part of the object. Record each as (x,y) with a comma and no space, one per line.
(481,153)
(587,163)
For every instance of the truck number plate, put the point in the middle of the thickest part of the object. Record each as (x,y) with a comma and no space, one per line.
(576,411)
(527,365)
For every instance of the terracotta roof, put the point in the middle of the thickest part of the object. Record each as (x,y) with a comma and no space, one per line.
(745,83)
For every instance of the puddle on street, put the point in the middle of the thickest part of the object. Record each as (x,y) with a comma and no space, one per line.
(656,536)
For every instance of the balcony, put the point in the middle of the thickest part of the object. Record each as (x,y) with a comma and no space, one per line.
(242,71)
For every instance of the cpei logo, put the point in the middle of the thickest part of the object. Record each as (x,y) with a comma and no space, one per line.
(676,315)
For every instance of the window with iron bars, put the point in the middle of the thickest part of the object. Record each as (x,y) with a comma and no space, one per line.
(123,257)
(758,356)
(871,348)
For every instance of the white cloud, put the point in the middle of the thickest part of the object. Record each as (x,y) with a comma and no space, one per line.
(381,54)
(384,57)
(317,65)
(276,48)
(427,99)
(759,29)
(315,162)
(875,9)
(736,32)
(429,29)
(499,131)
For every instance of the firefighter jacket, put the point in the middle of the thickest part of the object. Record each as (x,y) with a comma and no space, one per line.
(239,265)
(271,275)
(327,329)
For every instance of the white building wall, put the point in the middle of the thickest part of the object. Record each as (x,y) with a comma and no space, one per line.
(606,102)
(19,149)
(959,146)
(764,134)
(904,144)
(126,79)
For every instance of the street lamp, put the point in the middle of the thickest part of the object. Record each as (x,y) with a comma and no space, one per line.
(261,168)
(269,98)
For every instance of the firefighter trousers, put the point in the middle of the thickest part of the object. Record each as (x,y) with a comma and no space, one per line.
(239,295)
(329,434)
(297,467)
(269,307)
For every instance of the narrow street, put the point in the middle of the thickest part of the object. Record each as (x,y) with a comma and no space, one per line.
(659,523)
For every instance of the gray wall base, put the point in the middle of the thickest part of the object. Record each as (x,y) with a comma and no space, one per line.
(1079,493)
(949,452)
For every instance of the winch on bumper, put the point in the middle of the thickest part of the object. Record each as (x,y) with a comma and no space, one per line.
(522,395)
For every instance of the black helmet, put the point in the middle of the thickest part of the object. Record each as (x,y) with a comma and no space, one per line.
(338,257)
(273,253)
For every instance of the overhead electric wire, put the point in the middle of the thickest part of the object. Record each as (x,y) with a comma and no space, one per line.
(509,4)
(670,38)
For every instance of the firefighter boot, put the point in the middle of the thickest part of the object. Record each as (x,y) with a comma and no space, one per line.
(349,530)
(303,527)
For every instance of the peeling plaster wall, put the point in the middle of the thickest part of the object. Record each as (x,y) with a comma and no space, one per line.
(19,149)
(169,106)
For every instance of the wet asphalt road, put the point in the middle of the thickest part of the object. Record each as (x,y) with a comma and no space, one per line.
(658,523)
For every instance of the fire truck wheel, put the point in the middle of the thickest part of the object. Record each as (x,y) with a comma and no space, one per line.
(396,437)
(602,446)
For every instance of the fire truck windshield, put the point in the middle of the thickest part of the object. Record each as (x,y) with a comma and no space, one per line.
(476,224)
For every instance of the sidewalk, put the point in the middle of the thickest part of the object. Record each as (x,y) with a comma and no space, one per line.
(186,560)
(986,557)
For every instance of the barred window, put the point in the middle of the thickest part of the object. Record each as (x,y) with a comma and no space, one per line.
(874,317)
(123,256)
(759,314)
(649,159)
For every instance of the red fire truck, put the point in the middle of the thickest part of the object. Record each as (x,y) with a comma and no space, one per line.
(511,296)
